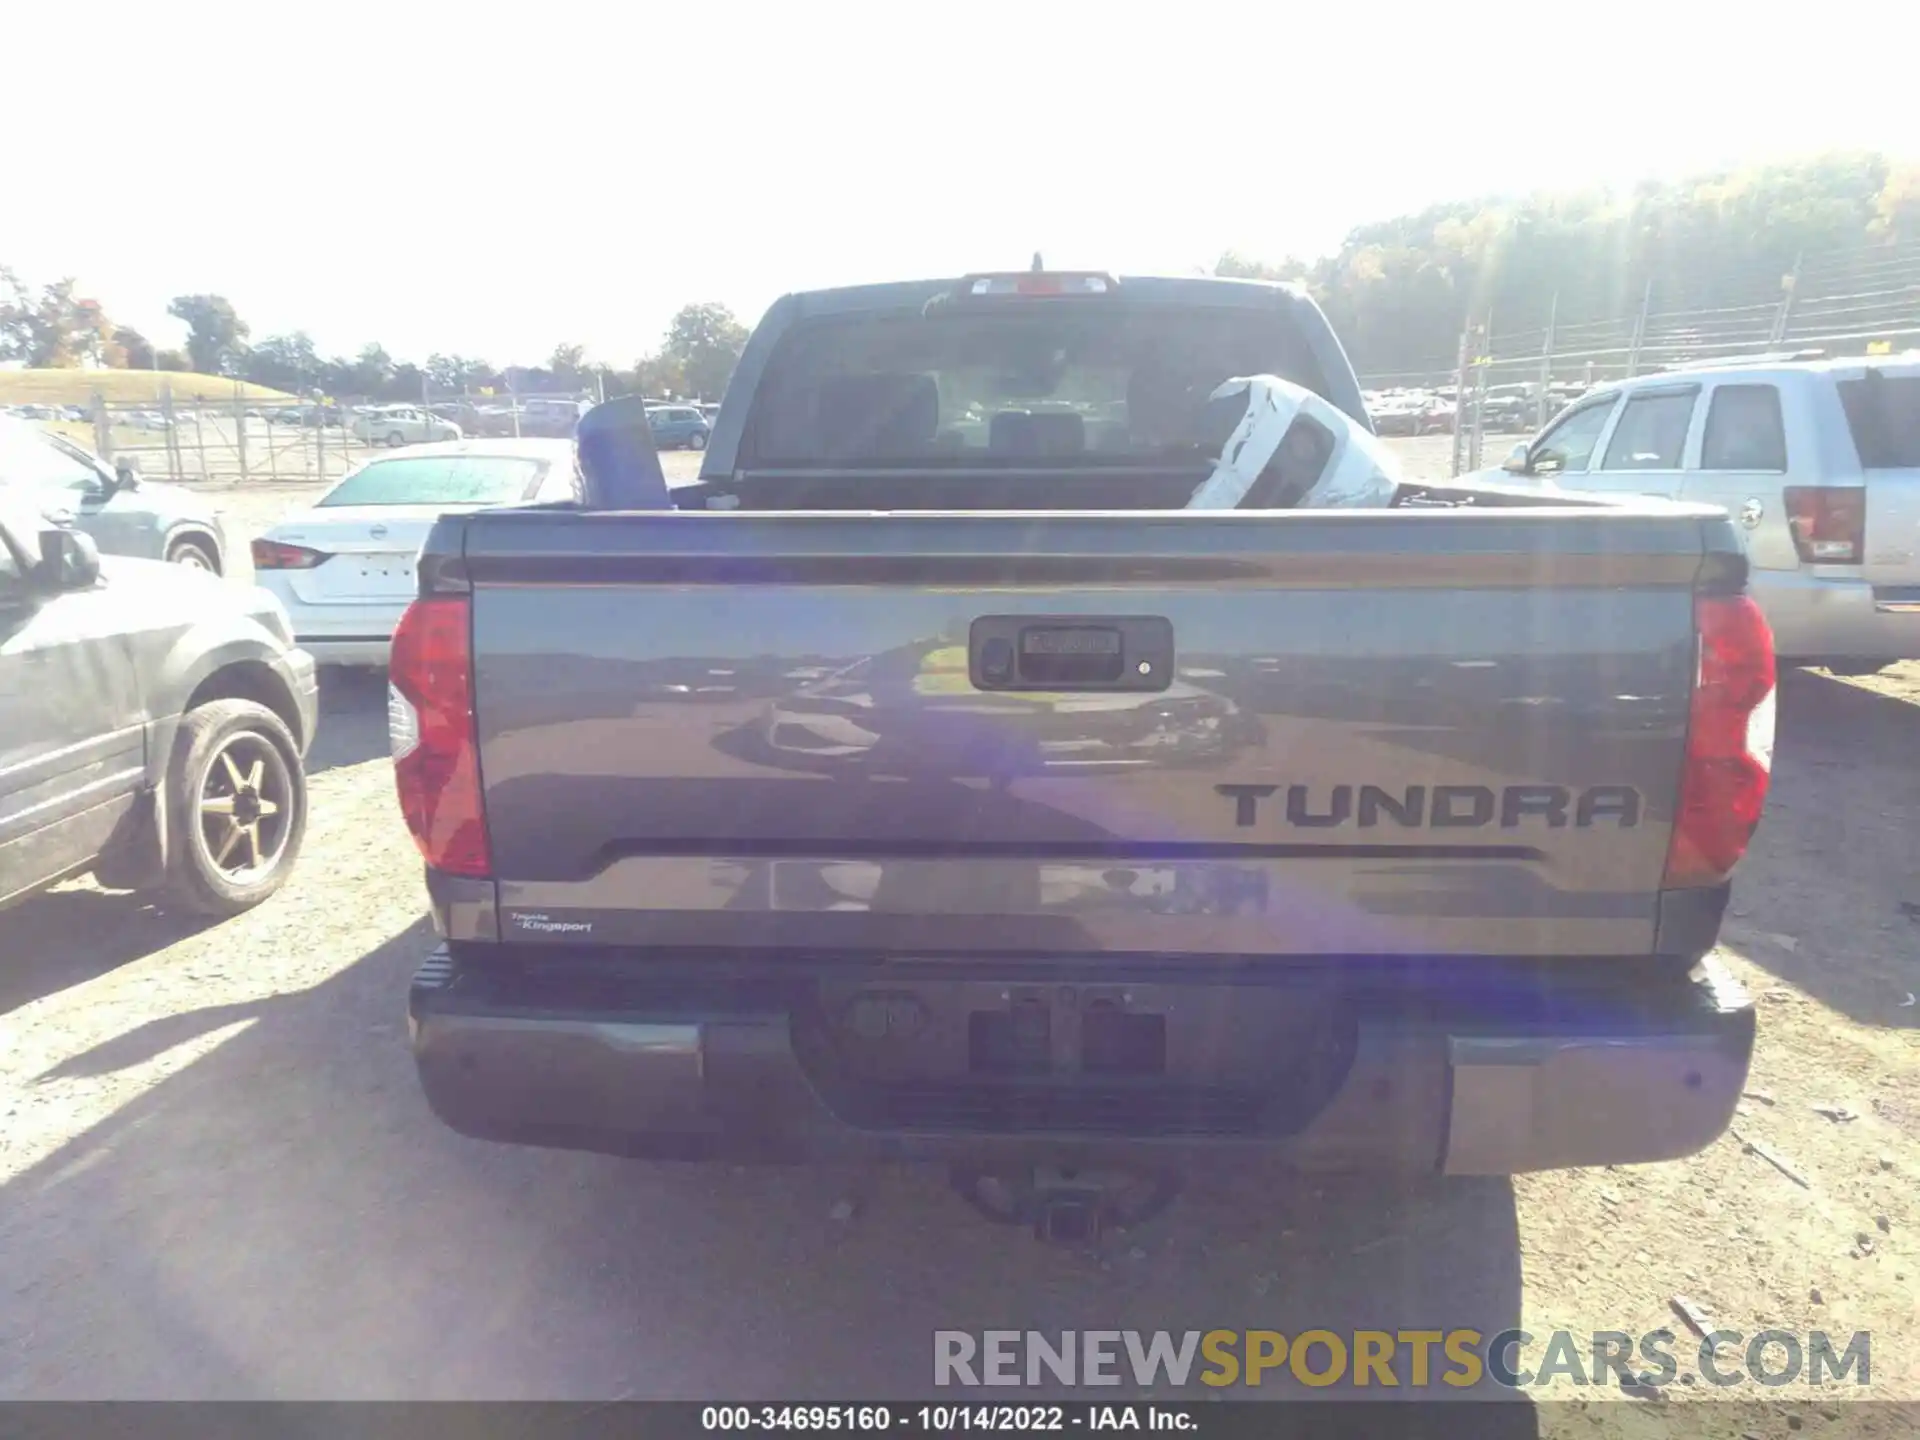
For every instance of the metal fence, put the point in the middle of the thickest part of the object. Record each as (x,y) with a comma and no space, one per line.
(1510,376)
(240,439)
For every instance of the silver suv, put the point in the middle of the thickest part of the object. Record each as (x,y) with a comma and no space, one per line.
(1818,462)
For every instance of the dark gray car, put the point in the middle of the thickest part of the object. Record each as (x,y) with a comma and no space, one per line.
(124,514)
(153,723)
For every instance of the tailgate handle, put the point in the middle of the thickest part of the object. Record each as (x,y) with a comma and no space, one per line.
(1068,653)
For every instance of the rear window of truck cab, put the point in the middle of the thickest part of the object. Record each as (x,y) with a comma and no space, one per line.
(1061,384)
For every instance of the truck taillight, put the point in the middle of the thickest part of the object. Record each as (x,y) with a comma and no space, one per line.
(278,555)
(1829,522)
(436,757)
(1729,757)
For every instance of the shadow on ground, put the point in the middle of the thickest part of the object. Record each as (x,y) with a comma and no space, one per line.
(282,1218)
(353,719)
(68,937)
(1838,840)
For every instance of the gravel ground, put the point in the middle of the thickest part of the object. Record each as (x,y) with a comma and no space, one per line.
(217,1177)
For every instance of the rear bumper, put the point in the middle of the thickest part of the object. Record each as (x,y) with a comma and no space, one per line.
(346,634)
(1481,1084)
(1843,618)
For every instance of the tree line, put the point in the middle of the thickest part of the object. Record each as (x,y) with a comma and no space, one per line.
(52,327)
(1400,291)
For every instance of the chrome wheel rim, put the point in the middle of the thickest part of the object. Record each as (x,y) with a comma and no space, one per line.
(245,808)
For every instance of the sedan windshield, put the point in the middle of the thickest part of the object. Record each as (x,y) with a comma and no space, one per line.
(440,480)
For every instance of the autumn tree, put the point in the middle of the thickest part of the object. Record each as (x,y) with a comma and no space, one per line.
(51,328)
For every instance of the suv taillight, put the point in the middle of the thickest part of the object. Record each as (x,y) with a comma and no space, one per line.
(436,759)
(1729,758)
(1829,522)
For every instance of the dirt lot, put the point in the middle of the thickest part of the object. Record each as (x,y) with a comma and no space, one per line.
(219,1179)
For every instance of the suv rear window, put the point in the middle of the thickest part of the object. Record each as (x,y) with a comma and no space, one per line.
(1883,412)
(1009,385)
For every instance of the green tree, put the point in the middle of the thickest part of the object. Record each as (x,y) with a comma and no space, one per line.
(368,375)
(407,383)
(455,374)
(1238,267)
(705,341)
(134,350)
(657,376)
(285,362)
(216,335)
(1398,291)
(568,364)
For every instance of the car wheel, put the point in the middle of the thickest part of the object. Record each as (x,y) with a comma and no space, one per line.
(696,442)
(193,554)
(396,440)
(236,807)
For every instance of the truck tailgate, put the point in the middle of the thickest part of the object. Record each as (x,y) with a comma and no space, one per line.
(1368,733)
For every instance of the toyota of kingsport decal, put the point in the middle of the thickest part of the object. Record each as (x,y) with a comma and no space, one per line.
(538,923)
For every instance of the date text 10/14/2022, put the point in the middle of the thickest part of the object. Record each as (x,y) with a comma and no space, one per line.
(946,1419)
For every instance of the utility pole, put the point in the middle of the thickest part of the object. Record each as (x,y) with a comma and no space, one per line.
(1789,287)
(1460,398)
(1639,330)
(1546,366)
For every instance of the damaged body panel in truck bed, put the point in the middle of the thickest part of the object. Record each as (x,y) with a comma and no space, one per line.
(864,821)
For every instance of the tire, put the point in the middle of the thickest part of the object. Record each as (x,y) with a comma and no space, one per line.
(223,751)
(194,554)
(396,440)
(696,442)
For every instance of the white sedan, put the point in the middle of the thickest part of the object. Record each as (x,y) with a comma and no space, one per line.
(401,425)
(344,569)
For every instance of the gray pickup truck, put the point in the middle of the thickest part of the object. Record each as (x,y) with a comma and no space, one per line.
(931,786)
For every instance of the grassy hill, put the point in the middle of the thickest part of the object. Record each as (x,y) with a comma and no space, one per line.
(126,387)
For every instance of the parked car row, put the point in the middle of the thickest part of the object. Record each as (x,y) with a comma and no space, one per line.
(1504,409)
(1410,412)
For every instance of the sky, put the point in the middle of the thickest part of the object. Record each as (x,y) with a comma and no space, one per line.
(495,180)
